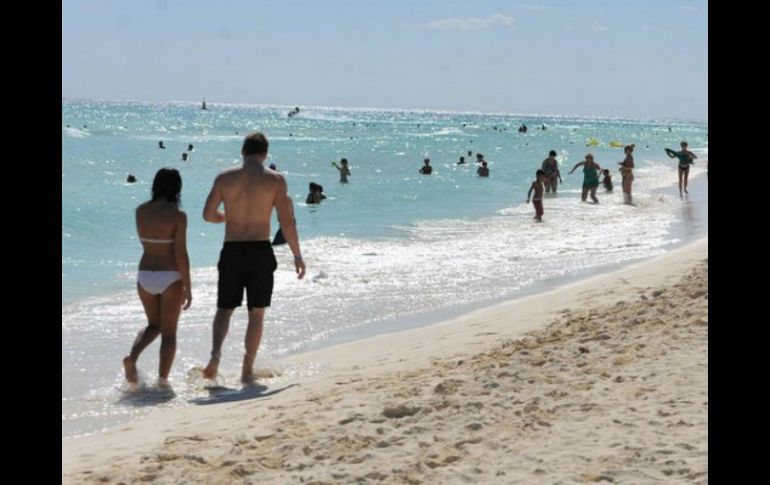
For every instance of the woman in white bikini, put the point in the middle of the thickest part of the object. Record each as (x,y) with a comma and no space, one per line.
(164,272)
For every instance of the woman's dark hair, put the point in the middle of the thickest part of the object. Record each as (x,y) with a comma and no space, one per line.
(167,185)
(552,153)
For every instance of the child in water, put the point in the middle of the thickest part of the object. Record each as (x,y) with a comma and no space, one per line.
(538,187)
(607,180)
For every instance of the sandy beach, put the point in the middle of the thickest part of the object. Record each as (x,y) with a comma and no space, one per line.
(601,381)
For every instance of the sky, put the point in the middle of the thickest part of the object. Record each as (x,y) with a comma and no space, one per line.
(614,58)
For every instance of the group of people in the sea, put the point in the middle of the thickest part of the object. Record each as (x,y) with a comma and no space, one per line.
(249,194)
(548,177)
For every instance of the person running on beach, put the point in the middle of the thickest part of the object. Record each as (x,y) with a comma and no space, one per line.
(163,282)
(590,177)
(607,180)
(538,188)
(344,170)
(426,169)
(686,158)
(551,168)
(249,193)
(627,172)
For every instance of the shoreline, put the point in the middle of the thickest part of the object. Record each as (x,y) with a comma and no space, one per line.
(408,358)
(696,228)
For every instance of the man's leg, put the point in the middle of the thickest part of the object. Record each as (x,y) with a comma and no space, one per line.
(251,343)
(221,325)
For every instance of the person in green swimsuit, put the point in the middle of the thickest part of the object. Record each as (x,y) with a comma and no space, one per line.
(591,171)
(686,158)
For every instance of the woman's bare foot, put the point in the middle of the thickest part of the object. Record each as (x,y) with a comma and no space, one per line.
(129,365)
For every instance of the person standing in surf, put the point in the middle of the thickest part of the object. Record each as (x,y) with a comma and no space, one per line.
(627,173)
(686,158)
(591,171)
(551,168)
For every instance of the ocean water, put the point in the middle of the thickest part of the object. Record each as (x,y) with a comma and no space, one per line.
(386,248)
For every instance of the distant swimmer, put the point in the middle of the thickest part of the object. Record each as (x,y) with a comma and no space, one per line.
(470,153)
(131,179)
(686,158)
(669,129)
(479,158)
(184,156)
(190,147)
(160,145)
(542,127)
(272,167)
(590,177)
(426,169)
(523,128)
(344,170)
(68,126)
(537,200)
(607,180)
(316,194)
(483,170)
(293,112)
(551,168)
(204,104)
(462,161)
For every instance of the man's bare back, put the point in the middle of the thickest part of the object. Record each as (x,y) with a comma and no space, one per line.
(249,194)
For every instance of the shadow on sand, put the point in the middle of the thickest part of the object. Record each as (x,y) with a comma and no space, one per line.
(220,394)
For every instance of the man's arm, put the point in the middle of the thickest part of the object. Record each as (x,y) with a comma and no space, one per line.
(211,212)
(285,208)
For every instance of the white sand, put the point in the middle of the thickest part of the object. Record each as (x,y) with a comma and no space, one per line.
(602,381)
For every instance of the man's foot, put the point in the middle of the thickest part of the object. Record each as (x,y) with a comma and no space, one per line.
(132,375)
(248,379)
(210,372)
(164,384)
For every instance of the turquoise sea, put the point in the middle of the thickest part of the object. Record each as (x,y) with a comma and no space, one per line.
(389,247)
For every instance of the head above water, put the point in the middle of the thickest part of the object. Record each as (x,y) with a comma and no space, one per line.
(255,143)
(167,185)
(344,161)
(683,144)
(427,161)
(539,173)
(552,153)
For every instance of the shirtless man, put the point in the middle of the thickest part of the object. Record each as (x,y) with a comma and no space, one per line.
(249,194)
